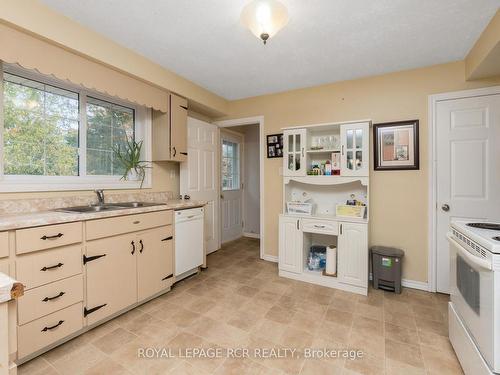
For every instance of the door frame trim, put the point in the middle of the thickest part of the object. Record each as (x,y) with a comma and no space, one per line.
(253,121)
(433,100)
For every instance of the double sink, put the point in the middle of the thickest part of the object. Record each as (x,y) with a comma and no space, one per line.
(108,207)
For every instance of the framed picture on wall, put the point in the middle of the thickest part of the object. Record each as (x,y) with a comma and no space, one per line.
(396,146)
(275,145)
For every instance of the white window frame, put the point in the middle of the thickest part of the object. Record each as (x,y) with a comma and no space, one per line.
(25,183)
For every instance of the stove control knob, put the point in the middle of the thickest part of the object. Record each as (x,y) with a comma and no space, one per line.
(445,207)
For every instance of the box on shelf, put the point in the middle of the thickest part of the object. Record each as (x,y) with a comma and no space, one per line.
(344,210)
(299,208)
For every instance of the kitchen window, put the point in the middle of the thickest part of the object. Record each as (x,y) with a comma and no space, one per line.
(230,166)
(57,136)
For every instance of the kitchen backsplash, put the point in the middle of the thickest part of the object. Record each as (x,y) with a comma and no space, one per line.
(16,206)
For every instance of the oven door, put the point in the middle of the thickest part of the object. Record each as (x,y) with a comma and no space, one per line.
(471,293)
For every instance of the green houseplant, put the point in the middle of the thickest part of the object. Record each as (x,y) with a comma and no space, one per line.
(130,158)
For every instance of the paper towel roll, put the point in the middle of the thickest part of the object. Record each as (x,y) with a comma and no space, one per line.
(331,260)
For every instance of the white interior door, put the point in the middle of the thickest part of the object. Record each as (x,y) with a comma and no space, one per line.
(231,185)
(199,175)
(468,168)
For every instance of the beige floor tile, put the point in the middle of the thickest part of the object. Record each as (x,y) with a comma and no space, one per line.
(428,313)
(334,331)
(439,328)
(66,348)
(113,340)
(369,343)
(233,366)
(339,317)
(369,311)
(401,334)
(400,319)
(433,340)
(79,360)
(37,366)
(279,315)
(296,338)
(438,362)
(268,330)
(405,353)
(399,368)
(107,366)
(365,365)
(247,291)
(367,325)
(343,304)
(184,318)
(319,367)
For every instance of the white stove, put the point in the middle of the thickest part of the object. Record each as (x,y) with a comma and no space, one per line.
(474,317)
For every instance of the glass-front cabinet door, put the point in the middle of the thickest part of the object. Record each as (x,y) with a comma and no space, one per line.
(294,161)
(355,149)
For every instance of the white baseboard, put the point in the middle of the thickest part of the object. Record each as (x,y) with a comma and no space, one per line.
(415,284)
(270,258)
(251,235)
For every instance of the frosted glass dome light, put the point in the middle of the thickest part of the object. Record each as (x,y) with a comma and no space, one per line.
(264,18)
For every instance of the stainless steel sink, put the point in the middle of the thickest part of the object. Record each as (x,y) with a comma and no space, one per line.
(93,208)
(108,207)
(137,204)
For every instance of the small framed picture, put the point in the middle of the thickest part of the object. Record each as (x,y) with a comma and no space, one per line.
(396,146)
(275,145)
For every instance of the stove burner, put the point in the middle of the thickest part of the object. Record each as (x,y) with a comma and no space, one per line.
(497,238)
(491,226)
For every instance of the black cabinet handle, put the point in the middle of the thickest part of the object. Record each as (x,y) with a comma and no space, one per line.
(58,235)
(142,246)
(168,238)
(47,299)
(133,248)
(175,151)
(184,107)
(52,267)
(167,277)
(93,309)
(87,259)
(183,153)
(52,327)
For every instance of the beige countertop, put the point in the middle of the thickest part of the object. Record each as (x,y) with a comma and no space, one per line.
(35,219)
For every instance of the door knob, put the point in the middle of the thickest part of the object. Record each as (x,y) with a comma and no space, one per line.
(445,207)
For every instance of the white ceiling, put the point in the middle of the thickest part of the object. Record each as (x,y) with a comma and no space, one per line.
(325,40)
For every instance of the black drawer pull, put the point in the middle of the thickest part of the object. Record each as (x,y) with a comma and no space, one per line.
(52,267)
(136,222)
(183,153)
(87,259)
(133,248)
(167,277)
(55,236)
(168,238)
(184,107)
(142,246)
(54,326)
(47,299)
(93,309)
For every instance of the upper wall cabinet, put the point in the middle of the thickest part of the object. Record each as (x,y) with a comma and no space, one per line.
(354,139)
(170,131)
(294,161)
(327,149)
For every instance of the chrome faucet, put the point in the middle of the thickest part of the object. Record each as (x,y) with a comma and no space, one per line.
(100,196)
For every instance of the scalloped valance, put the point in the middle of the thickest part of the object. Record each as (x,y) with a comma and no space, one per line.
(17,47)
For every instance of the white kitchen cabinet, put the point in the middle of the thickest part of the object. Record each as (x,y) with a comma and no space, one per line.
(355,145)
(111,270)
(290,244)
(294,157)
(154,261)
(352,250)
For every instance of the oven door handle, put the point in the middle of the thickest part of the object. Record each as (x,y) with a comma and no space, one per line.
(471,258)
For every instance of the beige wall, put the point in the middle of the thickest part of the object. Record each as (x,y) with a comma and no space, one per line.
(399,214)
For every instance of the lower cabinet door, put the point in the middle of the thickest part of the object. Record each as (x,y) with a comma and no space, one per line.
(154,261)
(290,245)
(353,254)
(111,269)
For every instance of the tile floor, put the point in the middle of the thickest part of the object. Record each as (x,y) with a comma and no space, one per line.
(240,302)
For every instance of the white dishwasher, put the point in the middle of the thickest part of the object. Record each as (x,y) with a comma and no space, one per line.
(189,241)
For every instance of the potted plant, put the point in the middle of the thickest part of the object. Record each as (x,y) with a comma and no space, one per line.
(130,158)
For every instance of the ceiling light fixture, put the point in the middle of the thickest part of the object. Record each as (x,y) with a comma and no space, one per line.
(264,18)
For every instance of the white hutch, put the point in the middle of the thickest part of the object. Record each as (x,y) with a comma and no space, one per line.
(305,148)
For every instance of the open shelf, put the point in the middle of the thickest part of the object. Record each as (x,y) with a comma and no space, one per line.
(322,151)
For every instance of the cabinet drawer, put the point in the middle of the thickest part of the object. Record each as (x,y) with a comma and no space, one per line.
(320,226)
(125,224)
(45,267)
(47,237)
(49,329)
(4,244)
(52,297)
